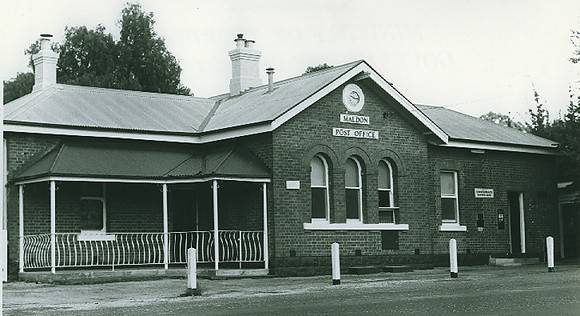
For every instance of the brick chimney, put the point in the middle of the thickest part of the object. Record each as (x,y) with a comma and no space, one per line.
(44,64)
(245,66)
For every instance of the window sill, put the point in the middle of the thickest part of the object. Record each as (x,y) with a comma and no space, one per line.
(89,235)
(452,228)
(354,226)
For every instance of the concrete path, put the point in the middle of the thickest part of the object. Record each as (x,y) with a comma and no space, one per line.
(297,295)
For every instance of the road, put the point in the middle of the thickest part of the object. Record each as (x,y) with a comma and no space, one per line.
(477,291)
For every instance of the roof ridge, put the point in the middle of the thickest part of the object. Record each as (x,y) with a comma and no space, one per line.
(302,76)
(132,92)
(56,157)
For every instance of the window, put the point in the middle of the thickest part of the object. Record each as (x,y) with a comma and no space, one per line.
(93,207)
(385,190)
(449,203)
(319,188)
(353,187)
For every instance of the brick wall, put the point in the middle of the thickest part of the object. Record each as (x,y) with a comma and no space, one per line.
(501,171)
(309,133)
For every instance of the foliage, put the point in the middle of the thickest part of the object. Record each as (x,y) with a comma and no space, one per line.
(139,60)
(503,119)
(19,86)
(565,131)
(575,39)
(311,69)
(87,57)
(144,63)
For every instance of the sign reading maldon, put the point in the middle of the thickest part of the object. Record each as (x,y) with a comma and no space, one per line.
(354,133)
(354,119)
(483,193)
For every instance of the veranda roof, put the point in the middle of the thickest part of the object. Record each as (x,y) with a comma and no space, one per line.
(143,161)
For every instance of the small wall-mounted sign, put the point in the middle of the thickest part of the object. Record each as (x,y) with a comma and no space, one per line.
(483,193)
(293,185)
(354,133)
(355,119)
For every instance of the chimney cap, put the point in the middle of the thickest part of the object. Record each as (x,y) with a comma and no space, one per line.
(45,35)
(239,36)
(269,70)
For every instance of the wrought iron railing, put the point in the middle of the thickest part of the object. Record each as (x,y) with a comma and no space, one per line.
(130,249)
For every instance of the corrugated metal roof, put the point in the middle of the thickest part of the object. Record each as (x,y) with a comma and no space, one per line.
(259,105)
(88,107)
(461,126)
(81,106)
(143,161)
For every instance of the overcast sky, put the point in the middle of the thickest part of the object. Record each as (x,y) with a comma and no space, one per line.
(471,56)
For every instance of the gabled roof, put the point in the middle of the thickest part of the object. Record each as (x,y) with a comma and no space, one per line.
(79,107)
(108,113)
(463,127)
(143,161)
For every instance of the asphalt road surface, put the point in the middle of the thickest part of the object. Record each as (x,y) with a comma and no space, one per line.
(511,291)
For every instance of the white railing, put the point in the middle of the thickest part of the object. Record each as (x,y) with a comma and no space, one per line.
(129,249)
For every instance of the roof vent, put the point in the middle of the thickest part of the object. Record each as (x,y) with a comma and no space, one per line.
(270,72)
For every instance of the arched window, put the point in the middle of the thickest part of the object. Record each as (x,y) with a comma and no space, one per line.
(386,189)
(319,188)
(353,187)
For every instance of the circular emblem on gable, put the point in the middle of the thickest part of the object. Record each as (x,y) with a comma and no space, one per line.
(353,97)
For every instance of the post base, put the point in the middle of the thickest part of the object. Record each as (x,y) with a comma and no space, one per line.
(551,269)
(454,274)
(335,282)
(192,292)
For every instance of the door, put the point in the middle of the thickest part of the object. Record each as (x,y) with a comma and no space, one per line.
(517,222)
(571,229)
(184,207)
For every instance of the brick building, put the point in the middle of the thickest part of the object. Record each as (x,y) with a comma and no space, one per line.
(266,176)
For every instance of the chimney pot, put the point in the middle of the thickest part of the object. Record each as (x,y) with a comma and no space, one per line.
(250,43)
(270,72)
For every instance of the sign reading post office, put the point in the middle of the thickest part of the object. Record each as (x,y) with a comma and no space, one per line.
(354,133)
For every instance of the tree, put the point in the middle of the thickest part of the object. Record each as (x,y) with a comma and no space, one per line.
(138,61)
(144,61)
(503,119)
(540,118)
(19,86)
(311,69)
(87,57)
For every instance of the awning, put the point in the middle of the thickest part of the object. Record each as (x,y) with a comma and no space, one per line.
(143,161)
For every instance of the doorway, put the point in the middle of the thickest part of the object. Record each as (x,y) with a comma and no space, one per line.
(517,223)
(571,229)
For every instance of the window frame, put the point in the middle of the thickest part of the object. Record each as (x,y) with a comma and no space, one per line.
(326,219)
(103,201)
(391,190)
(454,196)
(359,189)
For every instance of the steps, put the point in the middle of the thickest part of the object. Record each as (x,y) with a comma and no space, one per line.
(512,262)
(378,269)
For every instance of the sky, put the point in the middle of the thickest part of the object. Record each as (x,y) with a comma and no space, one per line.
(470,56)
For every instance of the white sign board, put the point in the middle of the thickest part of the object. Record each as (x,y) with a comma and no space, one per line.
(293,185)
(483,193)
(354,133)
(355,119)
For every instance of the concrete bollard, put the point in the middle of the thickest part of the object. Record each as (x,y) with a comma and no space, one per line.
(192,273)
(550,253)
(335,251)
(453,258)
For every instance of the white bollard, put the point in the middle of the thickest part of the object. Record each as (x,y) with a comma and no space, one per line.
(550,253)
(453,258)
(335,251)
(192,272)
